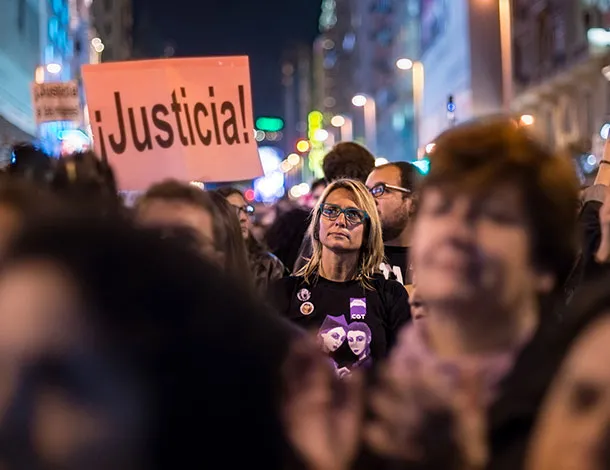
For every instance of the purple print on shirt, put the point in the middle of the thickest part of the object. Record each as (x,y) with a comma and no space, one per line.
(357,309)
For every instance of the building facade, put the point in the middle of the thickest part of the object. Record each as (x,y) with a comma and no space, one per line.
(21,46)
(559,70)
(461,53)
(113,22)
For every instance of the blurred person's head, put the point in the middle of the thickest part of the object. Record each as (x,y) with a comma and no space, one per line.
(317,188)
(418,308)
(244,210)
(285,235)
(21,202)
(348,160)
(110,338)
(393,186)
(346,224)
(572,425)
(210,220)
(31,163)
(86,180)
(496,224)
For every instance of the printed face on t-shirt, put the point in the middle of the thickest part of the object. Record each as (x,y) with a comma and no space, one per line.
(339,234)
(333,339)
(357,341)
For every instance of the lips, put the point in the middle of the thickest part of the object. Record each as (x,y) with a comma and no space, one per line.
(339,234)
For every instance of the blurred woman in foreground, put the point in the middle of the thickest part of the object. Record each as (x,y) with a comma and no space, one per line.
(109,340)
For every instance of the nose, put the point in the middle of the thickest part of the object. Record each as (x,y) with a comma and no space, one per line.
(340,221)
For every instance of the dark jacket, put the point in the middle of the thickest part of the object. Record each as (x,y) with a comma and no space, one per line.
(266,268)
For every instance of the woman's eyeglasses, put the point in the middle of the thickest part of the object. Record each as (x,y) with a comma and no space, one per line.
(247,209)
(380,189)
(352,215)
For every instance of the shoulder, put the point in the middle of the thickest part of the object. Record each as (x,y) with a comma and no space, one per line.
(390,287)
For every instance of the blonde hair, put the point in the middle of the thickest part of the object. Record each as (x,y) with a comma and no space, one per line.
(371,252)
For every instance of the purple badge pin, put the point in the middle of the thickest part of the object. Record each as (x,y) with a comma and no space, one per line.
(357,309)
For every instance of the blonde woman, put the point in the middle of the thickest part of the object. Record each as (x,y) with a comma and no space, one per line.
(341,284)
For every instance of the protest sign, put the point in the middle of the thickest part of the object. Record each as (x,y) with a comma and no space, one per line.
(56,101)
(189,119)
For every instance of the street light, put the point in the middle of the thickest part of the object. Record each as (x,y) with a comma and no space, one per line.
(54,68)
(418,87)
(404,64)
(345,126)
(370,118)
(526,120)
(359,100)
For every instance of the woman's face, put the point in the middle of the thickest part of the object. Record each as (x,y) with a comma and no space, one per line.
(240,204)
(340,235)
(62,405)
(333,339)
(573,429)
(474,250)
(357,341)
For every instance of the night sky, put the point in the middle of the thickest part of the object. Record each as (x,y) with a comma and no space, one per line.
(260,29)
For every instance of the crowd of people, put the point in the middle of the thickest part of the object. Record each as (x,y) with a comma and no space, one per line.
(393,320)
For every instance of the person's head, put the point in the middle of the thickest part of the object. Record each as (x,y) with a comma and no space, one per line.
(175,206)
(21,201)
(110,338)
(317,188)
(85,180)
(418,308)
(393,186)
(31,163)
(496,222)
(346,223)
(244,210)
(570,400)
(207,217)
(348,160)
(228,231)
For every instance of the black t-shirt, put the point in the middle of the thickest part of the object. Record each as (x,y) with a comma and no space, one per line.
(398,266)
(354,325)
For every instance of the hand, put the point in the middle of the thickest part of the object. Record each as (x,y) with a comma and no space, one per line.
(322,414)
(420,419)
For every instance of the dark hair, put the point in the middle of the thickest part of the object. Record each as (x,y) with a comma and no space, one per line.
(31,162)
(317,183)
(348,160)
(180,326)
(478,156)
(410,176)
(227,232)
(85,179)
(227,191)
(174,190)
(253,246)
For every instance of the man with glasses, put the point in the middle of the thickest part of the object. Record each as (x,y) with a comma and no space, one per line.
(393,185)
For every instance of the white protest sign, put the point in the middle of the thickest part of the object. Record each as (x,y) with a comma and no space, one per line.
(56,101)
(189,119)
